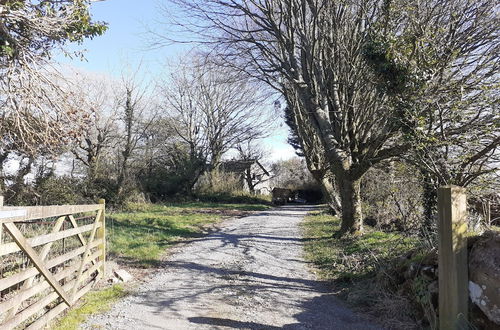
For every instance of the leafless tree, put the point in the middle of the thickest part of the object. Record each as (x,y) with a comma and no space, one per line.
(98,140)
(212,109)
(312,50)
(253,153)
(137,114)
(316,51)
(38,111)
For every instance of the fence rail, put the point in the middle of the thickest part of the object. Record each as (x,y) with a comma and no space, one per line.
(50,256)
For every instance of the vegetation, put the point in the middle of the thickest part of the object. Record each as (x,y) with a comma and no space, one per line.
(389,274)
(39,114)
(368,81)
(91,303)
(350,257)
(366,270)
(139,235)
(386,100)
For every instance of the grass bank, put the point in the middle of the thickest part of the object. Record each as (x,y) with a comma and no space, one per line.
(355,266)
(350,257)
(387,275)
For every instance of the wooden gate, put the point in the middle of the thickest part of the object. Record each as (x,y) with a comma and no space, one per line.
(50,256)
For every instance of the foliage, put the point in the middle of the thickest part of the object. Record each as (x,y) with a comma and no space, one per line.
(446,60)
(219,182)
(36,27)
(92,303)
(237,198)
(59,191)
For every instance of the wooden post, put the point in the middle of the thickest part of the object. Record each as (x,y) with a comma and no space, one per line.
(101,234)
(453,268)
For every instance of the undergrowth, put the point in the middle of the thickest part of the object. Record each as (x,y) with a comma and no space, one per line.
(349,257)
(355,266)
(240,197)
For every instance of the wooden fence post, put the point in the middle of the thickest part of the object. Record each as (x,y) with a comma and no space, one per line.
(101,234)
(453,267)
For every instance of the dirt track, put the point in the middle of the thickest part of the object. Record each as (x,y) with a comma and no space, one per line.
(248,275)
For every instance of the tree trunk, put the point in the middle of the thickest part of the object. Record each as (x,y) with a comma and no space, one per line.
(331,195)
(350,194)
(3,158)
(249,180)
(429,199)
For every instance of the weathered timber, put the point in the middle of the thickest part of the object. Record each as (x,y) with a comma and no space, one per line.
(453,276)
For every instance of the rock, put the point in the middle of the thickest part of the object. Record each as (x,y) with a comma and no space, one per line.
(484,275)
(123,275)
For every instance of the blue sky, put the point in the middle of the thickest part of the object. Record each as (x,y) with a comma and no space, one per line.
(126,44)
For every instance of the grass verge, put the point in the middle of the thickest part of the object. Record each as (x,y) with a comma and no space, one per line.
(386,275)
(93,302)
(349,257)
(140,233)
(355,267)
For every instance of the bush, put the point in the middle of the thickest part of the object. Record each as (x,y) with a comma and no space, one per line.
(236,197)
(392,198)
(59,191)
(218,182)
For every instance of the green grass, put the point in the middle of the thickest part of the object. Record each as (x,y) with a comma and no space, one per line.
(349,257)
(91,303)
(140,234)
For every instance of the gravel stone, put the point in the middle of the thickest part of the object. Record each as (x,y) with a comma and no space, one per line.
(250,274)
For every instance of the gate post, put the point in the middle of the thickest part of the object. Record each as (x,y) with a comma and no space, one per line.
(453,267)
(101,234)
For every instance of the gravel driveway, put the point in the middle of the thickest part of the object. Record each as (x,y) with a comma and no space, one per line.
(248,275)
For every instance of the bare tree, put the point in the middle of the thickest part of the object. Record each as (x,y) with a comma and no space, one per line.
(307,144)
(312,51)
(251,152)
(137,114)
(212,109)
(101,133)
(38,111)
(315,51)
